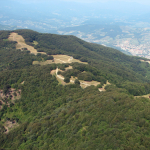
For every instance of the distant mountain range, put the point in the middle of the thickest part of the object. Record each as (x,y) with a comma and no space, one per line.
(128,39)
(7,27)
(103,23)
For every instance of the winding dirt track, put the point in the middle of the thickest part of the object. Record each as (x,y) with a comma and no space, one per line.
(83,84)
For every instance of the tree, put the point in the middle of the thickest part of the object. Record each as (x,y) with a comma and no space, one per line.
(59,72)
(6,89)
(67,80)
(77,81)
(50,58)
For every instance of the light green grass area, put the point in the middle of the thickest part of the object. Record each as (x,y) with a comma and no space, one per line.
(147,64)
(42,62)
(35,43)
(146,96)
(5,40)
(21,43)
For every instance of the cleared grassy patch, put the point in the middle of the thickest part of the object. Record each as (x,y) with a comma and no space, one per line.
(59,59)
(145,61)
(146,96)
(83,84)
(70,67)
(103,88)
(66,59)
(42,62)
(21,43)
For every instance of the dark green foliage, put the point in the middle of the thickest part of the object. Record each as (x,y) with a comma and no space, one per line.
(52,116)
(114,65)
(50,58)
(103,119)
(2,129)
(99,85)
(70,72)
(45,57)
(62,66)
(29,36)
(40,50)
(4,34)
(135,88)
(76,56)
(39,54)
(67,79)
(83,59)
(59,72)
(77,82)
(6,88)
(24,49)
(86,76)
(15,59)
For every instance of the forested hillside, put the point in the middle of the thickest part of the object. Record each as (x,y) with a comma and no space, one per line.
(43,114)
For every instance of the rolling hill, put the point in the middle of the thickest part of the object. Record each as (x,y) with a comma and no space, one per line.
(38,112)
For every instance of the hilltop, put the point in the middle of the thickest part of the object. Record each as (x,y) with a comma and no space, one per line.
(129,39)
(39,111)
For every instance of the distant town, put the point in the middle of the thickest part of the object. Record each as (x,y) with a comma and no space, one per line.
(142,50)
(134,41)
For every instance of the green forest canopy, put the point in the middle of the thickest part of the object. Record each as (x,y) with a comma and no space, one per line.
(52,116)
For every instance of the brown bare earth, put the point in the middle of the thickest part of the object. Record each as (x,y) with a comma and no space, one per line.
(146,96)
(145,61)
(57,58)
(21,43)
(53,72)
(11,96)
(103,88)
(83,84)
(22,82)
(1,102)
(66,59)
(10,125)
(67,68)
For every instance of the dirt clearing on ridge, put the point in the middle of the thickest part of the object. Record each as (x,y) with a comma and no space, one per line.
(59,59)
(60,79)
(103,88)
(21,43)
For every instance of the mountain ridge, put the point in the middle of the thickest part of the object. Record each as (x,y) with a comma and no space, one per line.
(52,116)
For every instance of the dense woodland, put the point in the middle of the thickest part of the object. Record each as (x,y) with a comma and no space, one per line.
(52,116)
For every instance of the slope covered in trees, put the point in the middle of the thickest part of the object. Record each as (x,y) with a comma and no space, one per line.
(112,62)
(52,116)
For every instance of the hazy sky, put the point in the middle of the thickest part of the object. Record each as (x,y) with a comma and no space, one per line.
(124,6)
(92,1)
(75,10)
(138,1)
